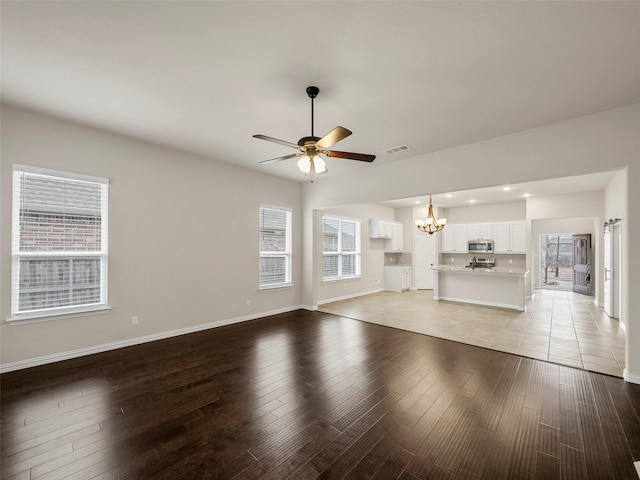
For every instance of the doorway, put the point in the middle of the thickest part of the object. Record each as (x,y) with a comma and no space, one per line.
(565,263)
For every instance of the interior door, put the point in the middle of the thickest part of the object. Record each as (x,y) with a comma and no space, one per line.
(607,272)
(612,270)
(425,261)
(581,259)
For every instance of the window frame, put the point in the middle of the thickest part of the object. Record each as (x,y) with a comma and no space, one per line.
(72,309)
(287,254)
(339,252)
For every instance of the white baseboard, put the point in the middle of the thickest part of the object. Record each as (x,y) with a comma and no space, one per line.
(346,297)
(628,377)
(81,352)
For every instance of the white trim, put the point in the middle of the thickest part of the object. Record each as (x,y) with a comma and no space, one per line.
(60,174)
(57,314)
(57,357)
(637,465)
(346,297)
(628,377)
(341,279)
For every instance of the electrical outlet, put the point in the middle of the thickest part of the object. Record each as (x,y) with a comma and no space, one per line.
(134,321)
(510,260)
(248,302)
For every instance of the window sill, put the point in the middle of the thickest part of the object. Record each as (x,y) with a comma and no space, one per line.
(340,279)
(275,287)
(46,316)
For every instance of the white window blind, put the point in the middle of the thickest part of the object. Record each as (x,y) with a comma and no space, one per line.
(275,247)
(340,248)
(59,243)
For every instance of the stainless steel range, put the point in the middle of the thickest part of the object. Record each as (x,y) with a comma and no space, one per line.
(481,262)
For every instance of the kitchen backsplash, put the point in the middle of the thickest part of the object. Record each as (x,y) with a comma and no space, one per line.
(401,258)
(518,262)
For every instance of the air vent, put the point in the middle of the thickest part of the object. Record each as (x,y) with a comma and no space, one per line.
(400,148)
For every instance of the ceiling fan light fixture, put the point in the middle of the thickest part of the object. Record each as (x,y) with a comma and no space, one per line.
(304,164)
(312,165)
(318,164)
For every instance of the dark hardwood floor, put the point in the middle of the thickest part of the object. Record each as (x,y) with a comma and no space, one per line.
(306,395)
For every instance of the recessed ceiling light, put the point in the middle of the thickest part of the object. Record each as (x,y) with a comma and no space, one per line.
(526,195)
(418,202)
(448,195)
(506,188)
(472,201)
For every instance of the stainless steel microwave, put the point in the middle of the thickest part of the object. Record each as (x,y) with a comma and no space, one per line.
(480,246)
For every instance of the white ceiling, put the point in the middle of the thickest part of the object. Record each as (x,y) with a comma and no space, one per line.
(203,77)
(595,182)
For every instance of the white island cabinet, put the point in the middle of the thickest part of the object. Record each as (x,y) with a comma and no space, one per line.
(481,286)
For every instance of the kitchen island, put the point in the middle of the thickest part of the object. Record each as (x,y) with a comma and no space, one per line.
(494,287)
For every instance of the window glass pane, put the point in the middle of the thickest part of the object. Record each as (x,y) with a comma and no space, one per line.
(330,266)
(60,282)
(273,270)
(330,228)
(59,214)
(348,236)
(349,265)
(273,233)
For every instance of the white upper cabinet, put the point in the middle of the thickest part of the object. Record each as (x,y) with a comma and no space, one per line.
(518,237)
(454,238)
(510,237)
(396,243)
(393,232)
(380,228)
(478,231)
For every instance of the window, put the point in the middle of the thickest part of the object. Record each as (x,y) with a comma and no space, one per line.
(275,247)
(59,243)
(340,248)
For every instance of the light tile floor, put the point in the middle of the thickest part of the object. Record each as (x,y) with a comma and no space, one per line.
(560,327)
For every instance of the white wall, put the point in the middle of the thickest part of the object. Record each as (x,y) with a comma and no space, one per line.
(486,213)
(590,144)
(183,236)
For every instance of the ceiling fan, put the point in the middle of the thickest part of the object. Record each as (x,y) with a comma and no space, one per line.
(310,148)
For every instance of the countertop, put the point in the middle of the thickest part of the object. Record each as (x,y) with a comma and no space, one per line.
(482,271)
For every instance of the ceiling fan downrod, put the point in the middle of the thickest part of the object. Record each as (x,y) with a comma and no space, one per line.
(312,92)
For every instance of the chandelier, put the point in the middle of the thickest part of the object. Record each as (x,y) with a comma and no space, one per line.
(432,224)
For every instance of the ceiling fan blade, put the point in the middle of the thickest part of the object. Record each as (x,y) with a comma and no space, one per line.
(363,157)
(333,137)
(279,159)
(275,140)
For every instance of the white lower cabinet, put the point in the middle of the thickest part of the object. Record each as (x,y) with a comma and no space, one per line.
(397,278)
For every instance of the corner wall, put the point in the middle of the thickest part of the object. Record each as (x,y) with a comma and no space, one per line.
(183,237)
